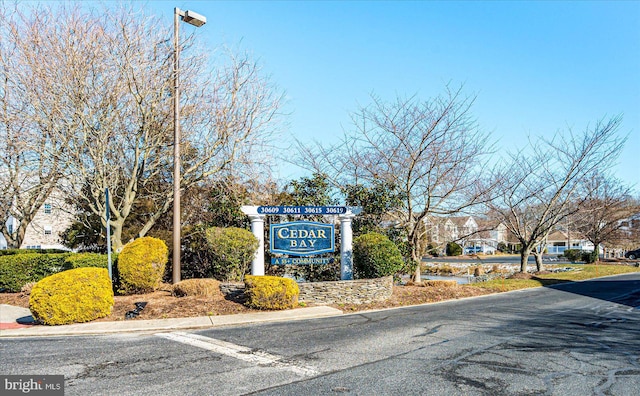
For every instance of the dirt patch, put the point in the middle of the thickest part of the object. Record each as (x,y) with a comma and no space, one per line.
(521,275)
(161,304)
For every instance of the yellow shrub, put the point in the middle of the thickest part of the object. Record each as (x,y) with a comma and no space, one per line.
(73,296)
(141,265)
(197,287)
(271,292)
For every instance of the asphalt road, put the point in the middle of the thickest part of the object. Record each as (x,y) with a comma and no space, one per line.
(575,339)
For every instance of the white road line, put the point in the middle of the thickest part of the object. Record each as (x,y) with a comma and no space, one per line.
(236,351)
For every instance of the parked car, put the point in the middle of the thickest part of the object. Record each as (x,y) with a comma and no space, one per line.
(479,249)
(472,249)
(632,254)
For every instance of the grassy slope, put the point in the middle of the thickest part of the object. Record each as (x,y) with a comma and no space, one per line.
(588,272)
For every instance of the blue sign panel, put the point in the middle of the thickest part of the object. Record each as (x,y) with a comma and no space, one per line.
(302,210)
(302,238)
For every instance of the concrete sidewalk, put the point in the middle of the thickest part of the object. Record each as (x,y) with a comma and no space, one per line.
(13,319)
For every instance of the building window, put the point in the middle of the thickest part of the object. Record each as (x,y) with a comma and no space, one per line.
(10,228)
(47,230)
(47,208)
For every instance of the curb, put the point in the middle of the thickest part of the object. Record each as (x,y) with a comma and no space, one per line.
(160,325)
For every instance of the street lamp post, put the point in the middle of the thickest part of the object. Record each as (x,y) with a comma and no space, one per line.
(196,20)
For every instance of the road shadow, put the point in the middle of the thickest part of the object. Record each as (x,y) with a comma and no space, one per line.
(625,292)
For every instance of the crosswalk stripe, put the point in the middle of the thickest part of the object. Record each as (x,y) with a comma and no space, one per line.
(236,351)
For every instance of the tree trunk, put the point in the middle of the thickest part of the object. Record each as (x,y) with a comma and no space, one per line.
(538,256)
(417,273)
(116,236)
(15,239)
(524,257)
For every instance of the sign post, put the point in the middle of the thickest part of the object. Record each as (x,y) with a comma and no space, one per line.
(346,247)
(108,216)
(257,228)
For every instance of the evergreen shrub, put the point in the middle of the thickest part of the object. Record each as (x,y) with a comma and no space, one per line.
(573,255)
(19,269)
(73,296)
(589,257)
(453,249)
(81,260)
(375,256)
(141,265)
(271,292)
(232,249)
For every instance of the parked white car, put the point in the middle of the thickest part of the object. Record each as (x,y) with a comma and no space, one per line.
(479,249)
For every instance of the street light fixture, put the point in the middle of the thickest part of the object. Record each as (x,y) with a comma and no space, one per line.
(196,20)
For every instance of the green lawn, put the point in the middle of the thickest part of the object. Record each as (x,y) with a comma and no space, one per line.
(588,272)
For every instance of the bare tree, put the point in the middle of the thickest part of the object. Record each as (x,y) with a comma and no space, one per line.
(429,149)
(539,188)
(32,122)
(608,202)
(112,79)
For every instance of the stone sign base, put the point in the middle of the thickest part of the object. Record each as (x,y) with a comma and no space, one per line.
(361,291)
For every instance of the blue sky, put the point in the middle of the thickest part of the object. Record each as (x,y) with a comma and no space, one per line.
(536,67)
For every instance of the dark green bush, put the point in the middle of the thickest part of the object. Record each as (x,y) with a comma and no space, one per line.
(453,249)
(196,255)
(589,257)
(232,249)
(573,255)
(19,269)
(375,256)
(80,260)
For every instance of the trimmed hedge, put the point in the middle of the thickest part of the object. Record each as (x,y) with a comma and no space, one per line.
(82,260)
(141,265)
(271,292)
(10,252)
(29,266)
(73,296)
(375,256)
(19,269)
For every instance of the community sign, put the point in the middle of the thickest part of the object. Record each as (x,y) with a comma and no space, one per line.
(302,238)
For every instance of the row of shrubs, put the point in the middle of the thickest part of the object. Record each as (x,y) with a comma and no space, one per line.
(76,288)
(574,255)
(142,265)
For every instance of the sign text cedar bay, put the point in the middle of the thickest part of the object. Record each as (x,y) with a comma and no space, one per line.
(302,238)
